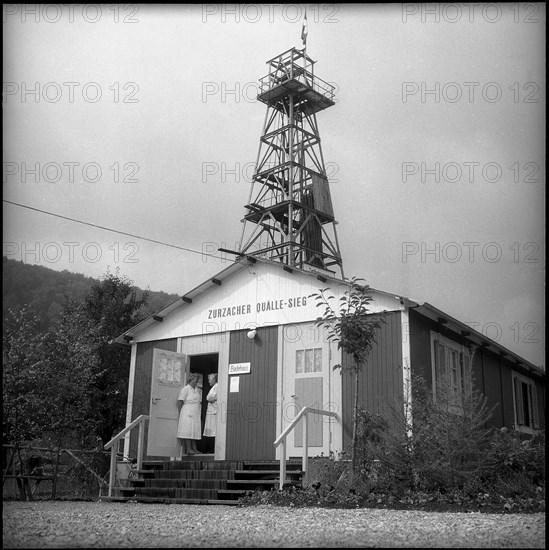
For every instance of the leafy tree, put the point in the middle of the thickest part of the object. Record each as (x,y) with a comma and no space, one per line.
(355,331)
(23,360)
(47,378)
(68,378)
(112,304)
(72,364)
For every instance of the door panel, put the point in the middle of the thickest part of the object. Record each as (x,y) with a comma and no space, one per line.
(169,374)
(308,393)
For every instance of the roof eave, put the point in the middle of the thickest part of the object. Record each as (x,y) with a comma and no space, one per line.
(434,313)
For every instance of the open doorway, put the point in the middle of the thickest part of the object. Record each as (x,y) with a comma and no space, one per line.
(205,364)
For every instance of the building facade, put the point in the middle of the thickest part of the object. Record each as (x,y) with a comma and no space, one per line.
(254,325)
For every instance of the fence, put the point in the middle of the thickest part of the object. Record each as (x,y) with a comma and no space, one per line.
(44,472)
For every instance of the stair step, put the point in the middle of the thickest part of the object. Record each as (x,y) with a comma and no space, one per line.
(249,481)
(193,474)
(259,484)
(267,472)
(182,483)
(200,501)
(272,465)
(200,481)
(175,493)
(198,465)
(156,500)
(147,464)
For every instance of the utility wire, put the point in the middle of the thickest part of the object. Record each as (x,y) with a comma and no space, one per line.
(113,230)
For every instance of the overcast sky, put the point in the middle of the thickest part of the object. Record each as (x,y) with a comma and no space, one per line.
(143,119)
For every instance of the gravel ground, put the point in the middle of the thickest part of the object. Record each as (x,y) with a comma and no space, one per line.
(64,524)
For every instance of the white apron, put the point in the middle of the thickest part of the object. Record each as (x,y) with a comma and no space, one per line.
(189,417)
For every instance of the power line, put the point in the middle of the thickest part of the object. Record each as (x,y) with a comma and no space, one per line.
(113,230)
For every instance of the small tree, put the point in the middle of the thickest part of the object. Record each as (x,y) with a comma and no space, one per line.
(354,330)
(447,441)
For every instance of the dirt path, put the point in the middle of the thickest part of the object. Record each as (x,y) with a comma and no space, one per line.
(126,525)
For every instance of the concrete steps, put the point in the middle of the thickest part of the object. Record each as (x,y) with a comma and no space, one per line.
(195,481)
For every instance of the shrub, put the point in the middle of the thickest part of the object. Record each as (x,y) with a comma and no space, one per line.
(449,462)
(514,466)
(332,472)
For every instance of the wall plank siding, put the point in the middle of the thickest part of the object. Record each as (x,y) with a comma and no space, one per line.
(494,392)
(251,413)
(380,383)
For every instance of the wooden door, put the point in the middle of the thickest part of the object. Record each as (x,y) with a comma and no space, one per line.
(170,373)
(307,368)
(308,393)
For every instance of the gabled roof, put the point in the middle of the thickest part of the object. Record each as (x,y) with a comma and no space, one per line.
(240,263)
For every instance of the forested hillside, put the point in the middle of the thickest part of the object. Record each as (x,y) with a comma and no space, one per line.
(46,290)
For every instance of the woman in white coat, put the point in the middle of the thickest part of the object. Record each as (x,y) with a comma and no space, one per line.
(211,411)
(189,404)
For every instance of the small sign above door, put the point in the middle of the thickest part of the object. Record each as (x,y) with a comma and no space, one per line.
(239,368)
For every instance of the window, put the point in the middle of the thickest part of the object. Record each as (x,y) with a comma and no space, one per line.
(308,360)
(451,372)
(526,403)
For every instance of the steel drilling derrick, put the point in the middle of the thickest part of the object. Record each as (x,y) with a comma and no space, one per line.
(289,216)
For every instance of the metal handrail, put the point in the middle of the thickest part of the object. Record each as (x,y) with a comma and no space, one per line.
(112,445)
(318,84)
(281,440)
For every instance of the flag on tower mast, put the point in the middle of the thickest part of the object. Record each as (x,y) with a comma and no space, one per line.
(304,30)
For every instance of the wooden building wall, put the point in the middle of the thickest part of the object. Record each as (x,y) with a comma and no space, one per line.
(381,382)
(495,389)
(142,384)
(499,375)
(420,350)
(251,412)
(492,373)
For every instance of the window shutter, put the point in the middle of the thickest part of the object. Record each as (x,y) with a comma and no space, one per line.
(518,402)
(440,362)
(466,375)
(534,401)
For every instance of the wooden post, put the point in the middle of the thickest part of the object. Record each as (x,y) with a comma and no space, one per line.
(113,469)
(10,461)
(282,464)
(21,487)
(140,444)
(305,461)
(28,488)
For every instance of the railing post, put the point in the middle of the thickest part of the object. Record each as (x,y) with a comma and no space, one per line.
(281,440)
(140,445)
(113,469)
(305,461)
(282,464)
